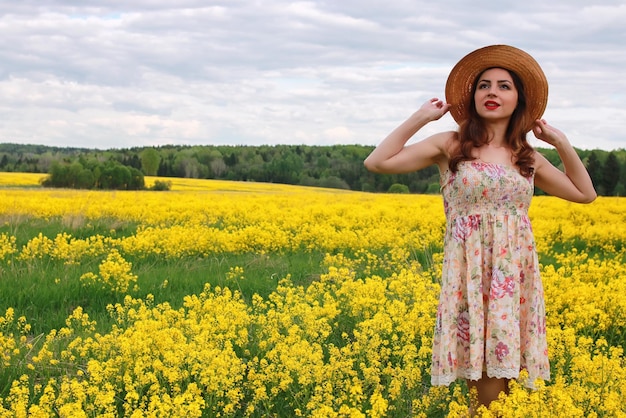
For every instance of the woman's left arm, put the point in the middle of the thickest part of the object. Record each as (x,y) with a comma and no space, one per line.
(574,183)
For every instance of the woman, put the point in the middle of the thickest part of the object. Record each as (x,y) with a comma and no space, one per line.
(491,315)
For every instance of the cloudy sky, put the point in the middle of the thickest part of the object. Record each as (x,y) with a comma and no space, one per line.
(126,73)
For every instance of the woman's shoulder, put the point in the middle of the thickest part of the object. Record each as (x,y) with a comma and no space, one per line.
(448,135)
(539,160)
(444,140)
(447,142)
(450,143)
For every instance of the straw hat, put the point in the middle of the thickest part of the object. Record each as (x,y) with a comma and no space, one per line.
(464,73)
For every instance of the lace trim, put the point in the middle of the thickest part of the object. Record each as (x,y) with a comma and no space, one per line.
(447,379)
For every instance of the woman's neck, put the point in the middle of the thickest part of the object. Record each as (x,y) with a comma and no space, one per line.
(497,135)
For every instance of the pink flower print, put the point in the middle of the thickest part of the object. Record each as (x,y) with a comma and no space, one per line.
(541,325)
(451,361)
(464,227)
(463,326)
(496,171)
(438,321)
(492,170)
(502,350)
(501,286)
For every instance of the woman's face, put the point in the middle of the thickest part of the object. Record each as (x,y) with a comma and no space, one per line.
(496,95)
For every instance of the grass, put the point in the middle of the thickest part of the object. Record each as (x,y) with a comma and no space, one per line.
(24,228)
(46,291)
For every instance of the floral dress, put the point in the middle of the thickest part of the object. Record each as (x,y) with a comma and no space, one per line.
(491,314)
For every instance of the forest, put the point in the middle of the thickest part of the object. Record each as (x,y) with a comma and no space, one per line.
(333,166)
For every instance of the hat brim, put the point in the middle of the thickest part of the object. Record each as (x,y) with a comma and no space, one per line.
(463,75)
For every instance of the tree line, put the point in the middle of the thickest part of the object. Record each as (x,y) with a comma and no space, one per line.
(81,174)
(334,166)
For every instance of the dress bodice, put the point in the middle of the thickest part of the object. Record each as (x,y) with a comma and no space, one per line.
(480,187)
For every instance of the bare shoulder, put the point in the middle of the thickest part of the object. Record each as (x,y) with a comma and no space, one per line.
(545,171)
(449,144)
(540,161)
(446,141)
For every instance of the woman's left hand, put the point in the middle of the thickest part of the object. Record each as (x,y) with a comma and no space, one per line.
(548,133)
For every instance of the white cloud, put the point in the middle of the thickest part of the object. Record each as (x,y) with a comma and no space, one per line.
(149,72)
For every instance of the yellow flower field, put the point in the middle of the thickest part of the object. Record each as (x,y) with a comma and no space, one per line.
(354,342)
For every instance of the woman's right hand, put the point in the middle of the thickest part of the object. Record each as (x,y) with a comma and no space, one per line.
(393,156)
(434,109)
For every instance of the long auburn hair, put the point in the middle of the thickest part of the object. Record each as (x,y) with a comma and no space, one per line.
(473,132)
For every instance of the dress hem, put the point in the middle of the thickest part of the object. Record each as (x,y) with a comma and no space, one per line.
(448,379)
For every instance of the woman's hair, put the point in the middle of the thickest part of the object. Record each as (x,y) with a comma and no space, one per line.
(473,132)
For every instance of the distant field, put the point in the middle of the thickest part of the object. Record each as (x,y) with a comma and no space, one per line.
(241,299)
(20,179)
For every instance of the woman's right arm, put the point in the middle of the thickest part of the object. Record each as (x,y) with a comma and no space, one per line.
(391,156)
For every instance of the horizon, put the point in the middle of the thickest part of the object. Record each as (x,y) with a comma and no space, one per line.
(547,147)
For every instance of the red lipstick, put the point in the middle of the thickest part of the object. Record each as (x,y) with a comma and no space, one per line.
(491,105)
